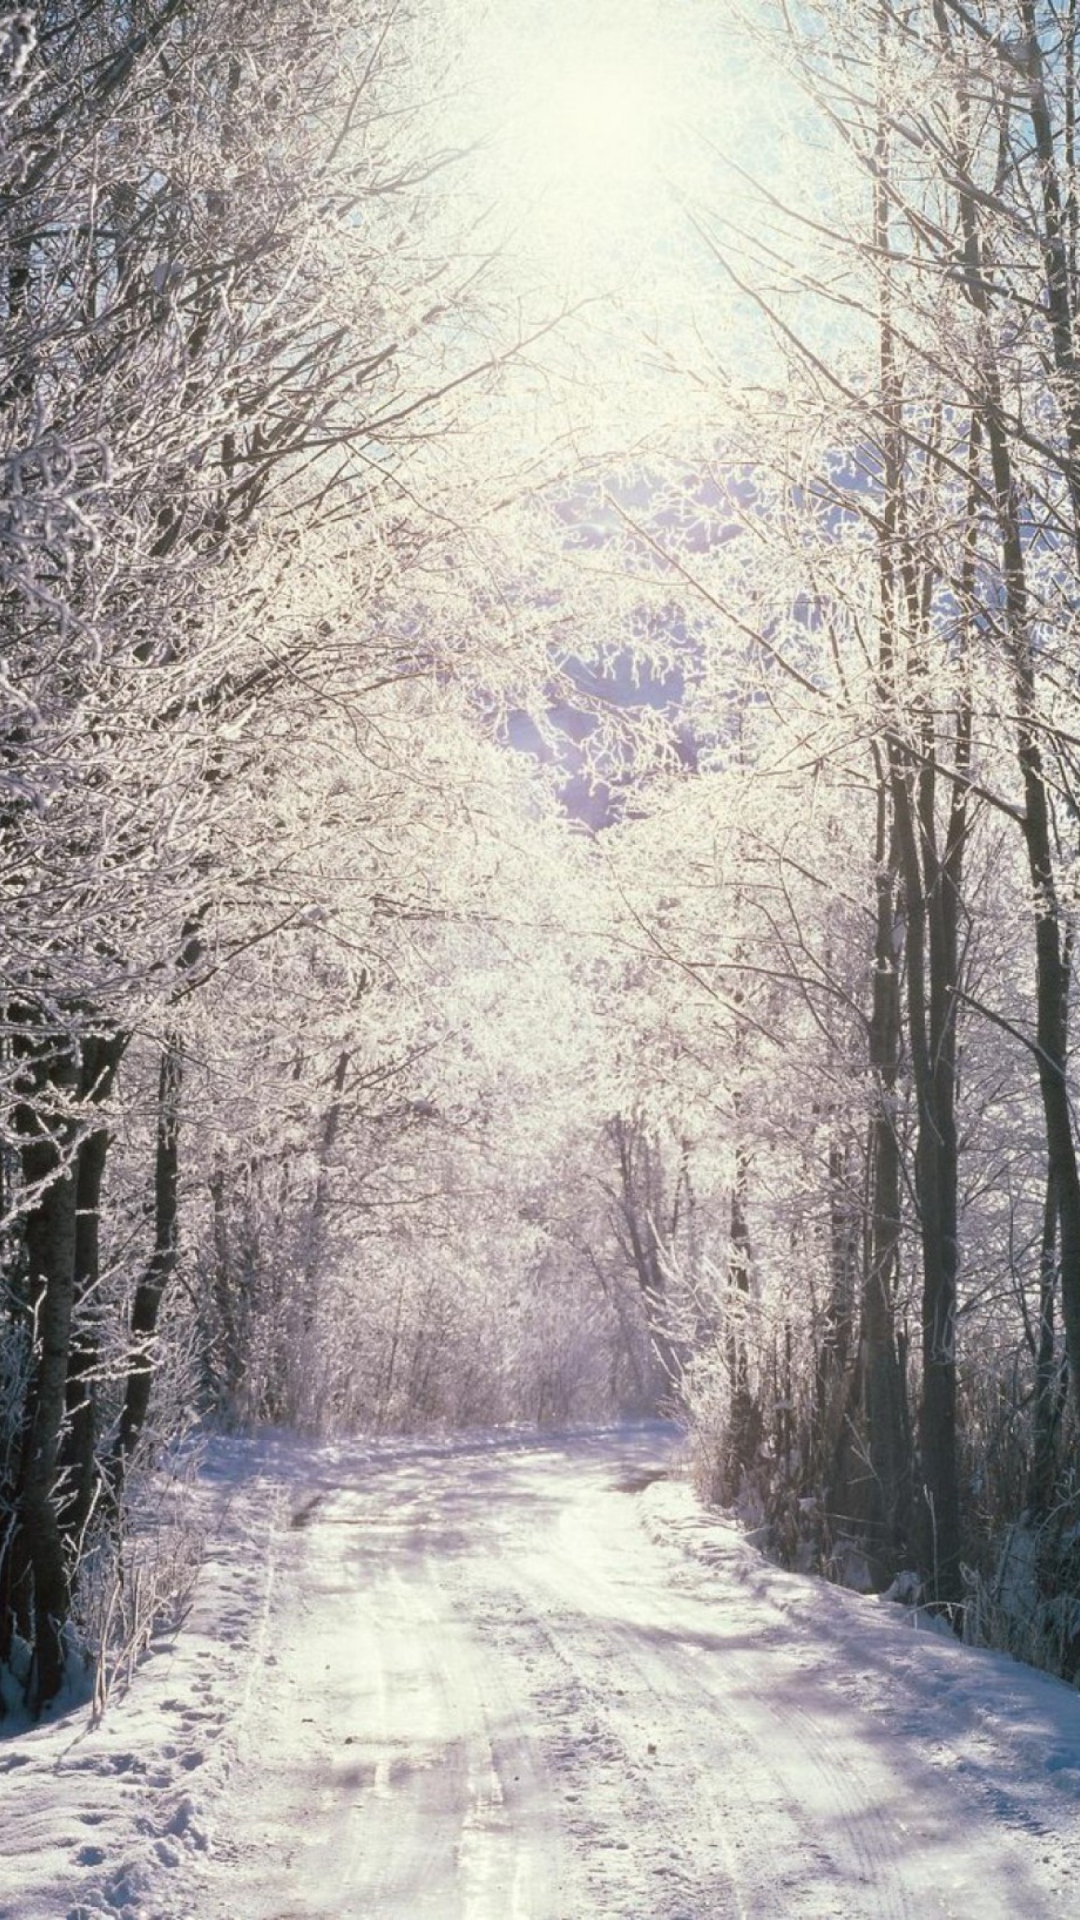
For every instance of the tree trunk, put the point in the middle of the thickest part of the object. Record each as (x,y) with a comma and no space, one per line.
(640,1205)
(146,1306)
(1043,1469)
(886,1497)
(48,1130)
(931,904)
(162,1263)
(101,1060)
(1052,943)
(832,1371)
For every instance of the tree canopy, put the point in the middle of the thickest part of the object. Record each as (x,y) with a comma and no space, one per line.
(538,763)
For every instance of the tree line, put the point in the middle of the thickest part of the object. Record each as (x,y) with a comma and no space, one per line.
(874,908)
(226,329)
(345,1080)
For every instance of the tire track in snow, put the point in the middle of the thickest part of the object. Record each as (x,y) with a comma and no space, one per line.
(443,1812)
(746,1768)
(495,1697)
(637,1849)
(814,1806)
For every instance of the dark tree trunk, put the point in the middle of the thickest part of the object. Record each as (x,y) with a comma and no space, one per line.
(886,1495)
(47,1126)
(1049,1396)
(930,882)
(932,896)
(746,1421)
(833,1364)
(1052,943)
(162,1264)
(101,1059)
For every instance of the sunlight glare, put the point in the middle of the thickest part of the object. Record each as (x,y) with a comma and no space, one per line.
(593,136)
(598,123)
(580,104)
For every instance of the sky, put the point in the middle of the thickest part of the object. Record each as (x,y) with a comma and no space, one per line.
(606,150)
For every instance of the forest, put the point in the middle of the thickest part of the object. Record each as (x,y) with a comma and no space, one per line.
(540,767)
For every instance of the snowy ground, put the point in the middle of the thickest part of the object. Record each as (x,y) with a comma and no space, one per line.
(524,1681)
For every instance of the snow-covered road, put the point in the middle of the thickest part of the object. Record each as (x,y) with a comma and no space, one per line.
(530,1681)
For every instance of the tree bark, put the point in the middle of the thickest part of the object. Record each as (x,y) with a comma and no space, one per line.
(101,1060)
(47,1125)
(931,884)
(162,1264)
(640,1206)
(887,1493)
(1043,1468)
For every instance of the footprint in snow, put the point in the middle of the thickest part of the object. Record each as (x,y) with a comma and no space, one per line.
(111,1763)
(184,1826)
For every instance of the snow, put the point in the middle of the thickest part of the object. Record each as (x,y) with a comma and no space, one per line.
(520,1678)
